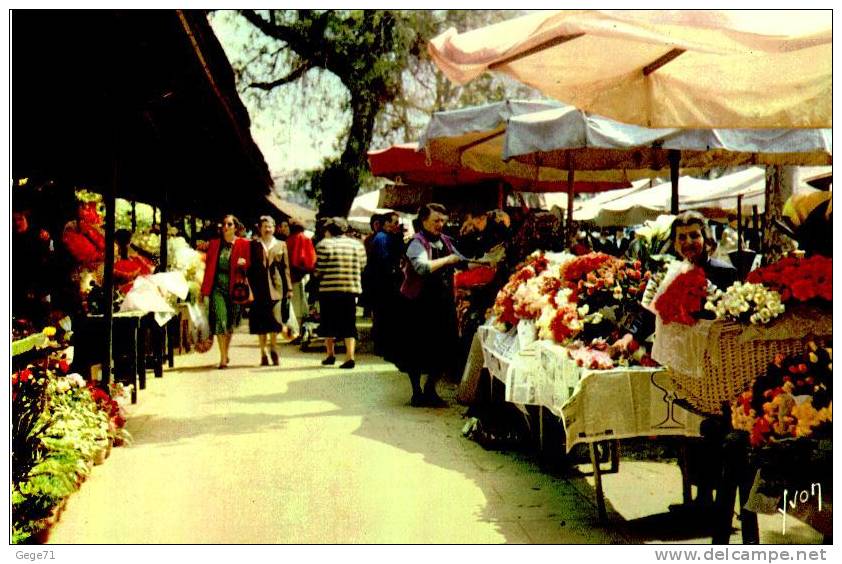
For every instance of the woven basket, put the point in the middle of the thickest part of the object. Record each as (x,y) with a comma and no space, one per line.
(731,357)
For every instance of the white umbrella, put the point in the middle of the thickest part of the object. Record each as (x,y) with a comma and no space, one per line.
(662,68)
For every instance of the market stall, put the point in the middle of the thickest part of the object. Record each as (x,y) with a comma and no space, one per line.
(164,126)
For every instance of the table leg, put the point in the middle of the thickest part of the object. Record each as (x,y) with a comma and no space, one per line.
(615,456)
(597,477)
(137,354)
(686,488)
(141,354)
(169,334)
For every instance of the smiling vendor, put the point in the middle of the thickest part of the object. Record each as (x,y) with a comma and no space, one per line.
(693,241)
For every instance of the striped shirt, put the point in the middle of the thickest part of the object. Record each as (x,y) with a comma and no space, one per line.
(339,265)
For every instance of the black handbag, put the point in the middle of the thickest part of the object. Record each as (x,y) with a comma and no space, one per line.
(241,293)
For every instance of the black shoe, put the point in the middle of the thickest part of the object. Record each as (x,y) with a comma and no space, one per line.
(417,400)
(329,361)
(348,364)
(263,360)
(432,399)
(274,356)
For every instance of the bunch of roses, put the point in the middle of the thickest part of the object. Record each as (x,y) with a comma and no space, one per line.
(559,319)
(87,244)
(746,302)
(526,293)
(683,298)
(600,279)
(798,279)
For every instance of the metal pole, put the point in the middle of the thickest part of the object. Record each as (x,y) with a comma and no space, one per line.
(108,274)
(134,216)
(740,223)
(675,160)
(570,191)
(164,220)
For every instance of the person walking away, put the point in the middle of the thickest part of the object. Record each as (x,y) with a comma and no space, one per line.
(302,262)
(385,281)
(339,264)
(226,264)
(271,285)
(431,345)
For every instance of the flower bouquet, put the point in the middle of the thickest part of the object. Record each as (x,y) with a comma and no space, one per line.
(746,302)
(792,399)
(682,294)
(798,279)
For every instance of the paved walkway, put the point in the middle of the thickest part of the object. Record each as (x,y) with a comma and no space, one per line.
(308,454)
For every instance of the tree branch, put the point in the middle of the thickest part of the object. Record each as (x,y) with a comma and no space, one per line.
(291,77)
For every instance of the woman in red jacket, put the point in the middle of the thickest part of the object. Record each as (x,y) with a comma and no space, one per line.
(226,264)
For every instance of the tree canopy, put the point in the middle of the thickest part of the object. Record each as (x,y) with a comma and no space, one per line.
(361,76)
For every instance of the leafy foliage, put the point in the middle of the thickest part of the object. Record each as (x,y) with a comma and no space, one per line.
(357,77)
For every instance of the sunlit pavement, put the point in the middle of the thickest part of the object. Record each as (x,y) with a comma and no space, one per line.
(303,453)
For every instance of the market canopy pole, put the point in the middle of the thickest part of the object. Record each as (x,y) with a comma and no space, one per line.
(570,192)
(674,158)
(108,273)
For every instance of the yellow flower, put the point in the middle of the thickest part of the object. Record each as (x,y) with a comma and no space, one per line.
(49,331)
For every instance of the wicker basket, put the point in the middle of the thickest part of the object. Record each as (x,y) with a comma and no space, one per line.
(728,356)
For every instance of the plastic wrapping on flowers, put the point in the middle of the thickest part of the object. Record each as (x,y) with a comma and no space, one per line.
(577,301)
(61,427)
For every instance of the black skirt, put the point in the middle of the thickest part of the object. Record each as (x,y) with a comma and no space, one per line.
(262,318)
(338,312)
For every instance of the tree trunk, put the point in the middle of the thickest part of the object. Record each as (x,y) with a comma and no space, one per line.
(340,181)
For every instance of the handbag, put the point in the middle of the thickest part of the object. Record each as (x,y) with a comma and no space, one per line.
(241,292)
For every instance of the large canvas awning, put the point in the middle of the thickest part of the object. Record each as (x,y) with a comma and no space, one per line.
(662,68)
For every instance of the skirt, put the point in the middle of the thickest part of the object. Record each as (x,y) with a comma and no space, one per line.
(338,312)
(262,318)
(223,314)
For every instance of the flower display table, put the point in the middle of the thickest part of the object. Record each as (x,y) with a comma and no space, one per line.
(594,405)
(135,332)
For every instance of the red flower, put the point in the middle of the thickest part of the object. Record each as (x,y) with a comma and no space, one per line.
(64,366)
(579,267)
(683,298)
(760,431)
(25,375)
(479,276)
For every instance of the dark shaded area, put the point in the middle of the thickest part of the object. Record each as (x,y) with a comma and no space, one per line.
(151,90)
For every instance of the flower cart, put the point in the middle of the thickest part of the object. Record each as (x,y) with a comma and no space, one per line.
(764,366)
(560,337)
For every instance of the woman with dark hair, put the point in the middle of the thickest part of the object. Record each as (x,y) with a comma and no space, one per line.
(432,340)
(270,283)
(692,240)
(225,265)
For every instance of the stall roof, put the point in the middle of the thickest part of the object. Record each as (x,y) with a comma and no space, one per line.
(151,90)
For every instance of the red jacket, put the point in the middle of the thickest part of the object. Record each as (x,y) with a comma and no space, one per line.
(302,255)
(240,250)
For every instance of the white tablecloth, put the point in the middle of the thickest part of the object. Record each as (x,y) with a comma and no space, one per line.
(594,405)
